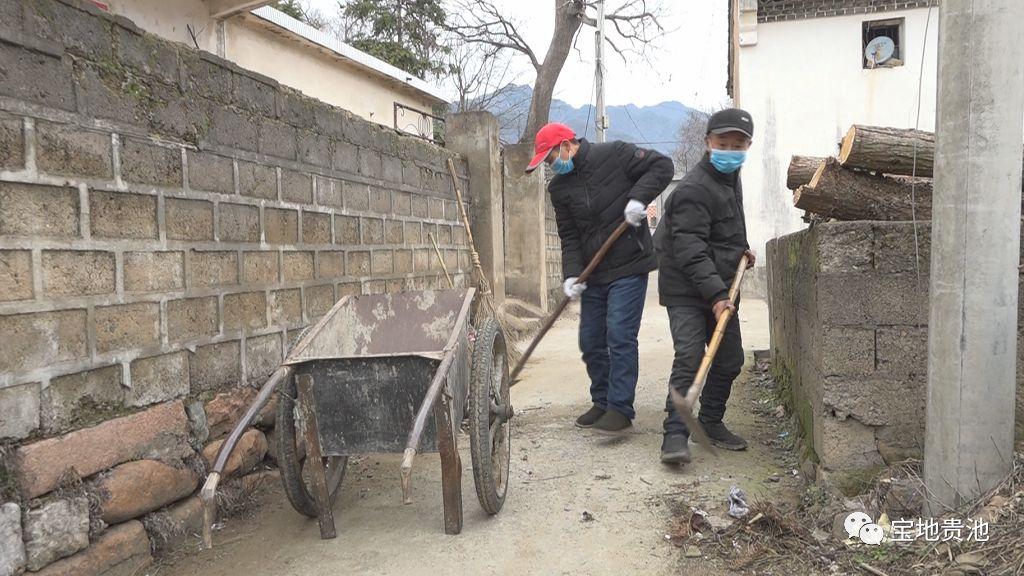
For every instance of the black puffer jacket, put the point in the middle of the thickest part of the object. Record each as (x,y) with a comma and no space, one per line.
(701,237)
(589,202)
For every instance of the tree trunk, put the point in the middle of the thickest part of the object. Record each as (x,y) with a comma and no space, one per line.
(888,150)
(568,18)
(843,194)
(801,170)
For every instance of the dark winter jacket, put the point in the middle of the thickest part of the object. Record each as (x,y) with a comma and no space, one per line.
(590,200)
(701,237)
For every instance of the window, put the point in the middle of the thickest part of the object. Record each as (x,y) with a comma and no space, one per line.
(881,53)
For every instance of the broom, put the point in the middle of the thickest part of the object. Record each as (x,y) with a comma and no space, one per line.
(486,296)
(440,260)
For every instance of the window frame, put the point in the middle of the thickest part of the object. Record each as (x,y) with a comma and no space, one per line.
(899,56)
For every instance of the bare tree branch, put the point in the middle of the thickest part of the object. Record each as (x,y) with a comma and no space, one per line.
(479,72)
(638,23)
(634,26)
(481,22)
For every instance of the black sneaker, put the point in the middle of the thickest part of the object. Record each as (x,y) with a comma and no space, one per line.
(587,419)
(612,423)
(675,449)
(721,436)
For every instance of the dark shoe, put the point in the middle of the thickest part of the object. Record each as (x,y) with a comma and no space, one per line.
(587,420)
(675,449)
(721,436)
(612,423)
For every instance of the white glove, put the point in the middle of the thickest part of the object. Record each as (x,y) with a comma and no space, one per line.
(572,289)
(635,212)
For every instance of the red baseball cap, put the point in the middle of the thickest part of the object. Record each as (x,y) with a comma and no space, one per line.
(550,136)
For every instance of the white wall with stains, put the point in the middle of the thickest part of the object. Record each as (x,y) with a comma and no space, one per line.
(261,46)
(804,83)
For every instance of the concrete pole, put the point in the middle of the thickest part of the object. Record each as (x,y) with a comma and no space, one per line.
(475,136)
(602,120)
(975,239)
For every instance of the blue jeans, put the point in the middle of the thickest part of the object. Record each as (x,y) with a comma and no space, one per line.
(610,317)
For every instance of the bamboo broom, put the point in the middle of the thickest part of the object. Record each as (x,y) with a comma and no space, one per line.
(486,296)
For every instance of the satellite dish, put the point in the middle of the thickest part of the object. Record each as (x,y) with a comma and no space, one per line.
(880,50)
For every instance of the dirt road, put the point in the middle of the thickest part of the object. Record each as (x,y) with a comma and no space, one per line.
(558,473)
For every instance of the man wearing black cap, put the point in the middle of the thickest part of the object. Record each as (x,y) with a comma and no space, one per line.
(700,241)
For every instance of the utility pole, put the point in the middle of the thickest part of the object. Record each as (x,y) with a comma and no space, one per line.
(975,239)
(602,119)
(734,50)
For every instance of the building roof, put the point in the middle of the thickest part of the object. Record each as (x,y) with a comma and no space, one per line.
(782,10)
(347,52)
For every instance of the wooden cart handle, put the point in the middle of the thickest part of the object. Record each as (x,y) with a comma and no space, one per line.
(208,494)
(601,253)
(419,425)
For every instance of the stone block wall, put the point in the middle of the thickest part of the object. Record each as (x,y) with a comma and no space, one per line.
(554,257)
(849,334)
(169,222)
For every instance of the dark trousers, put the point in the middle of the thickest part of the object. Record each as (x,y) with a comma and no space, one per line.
(692,327)
(610,317)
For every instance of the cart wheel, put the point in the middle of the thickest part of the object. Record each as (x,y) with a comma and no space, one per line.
(489,412)
(292,455)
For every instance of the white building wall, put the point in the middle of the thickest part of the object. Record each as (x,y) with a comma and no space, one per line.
(249,42)
(171,19)
(804,84)
(252,45)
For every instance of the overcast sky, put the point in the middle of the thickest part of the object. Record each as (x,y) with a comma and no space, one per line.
(688,64)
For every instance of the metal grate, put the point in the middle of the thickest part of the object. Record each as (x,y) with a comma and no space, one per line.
(419,123)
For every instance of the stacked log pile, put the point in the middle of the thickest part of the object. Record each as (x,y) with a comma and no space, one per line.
(880,174)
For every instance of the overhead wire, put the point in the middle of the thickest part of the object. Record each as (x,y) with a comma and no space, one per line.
(590,108)
(913,169)
(638,130)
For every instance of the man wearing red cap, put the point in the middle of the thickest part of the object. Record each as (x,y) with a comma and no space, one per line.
(595,187)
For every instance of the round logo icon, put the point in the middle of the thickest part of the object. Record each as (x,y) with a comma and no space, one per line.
(854,522)
(871,534)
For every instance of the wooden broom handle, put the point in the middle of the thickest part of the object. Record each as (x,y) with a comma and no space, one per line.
(485,286)
(601,253)
(716,339)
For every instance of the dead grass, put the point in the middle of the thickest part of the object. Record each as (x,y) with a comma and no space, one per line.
(8,483)
(70,485)
(161,529)
(799,541)
(239,495)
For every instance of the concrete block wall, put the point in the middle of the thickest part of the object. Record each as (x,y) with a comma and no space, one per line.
(849,334)
(169,223)
(554,254)
(526,241)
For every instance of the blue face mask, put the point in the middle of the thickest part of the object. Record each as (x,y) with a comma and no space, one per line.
(727,161)
(561,167)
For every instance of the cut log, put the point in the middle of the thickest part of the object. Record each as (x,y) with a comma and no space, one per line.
(801,170)
(888,150)
(843,194)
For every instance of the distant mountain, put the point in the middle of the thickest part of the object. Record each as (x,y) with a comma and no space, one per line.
(649,126)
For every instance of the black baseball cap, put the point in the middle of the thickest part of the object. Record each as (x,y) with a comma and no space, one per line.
(731,120)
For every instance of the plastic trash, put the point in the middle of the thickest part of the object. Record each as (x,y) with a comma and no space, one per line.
(738,507)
